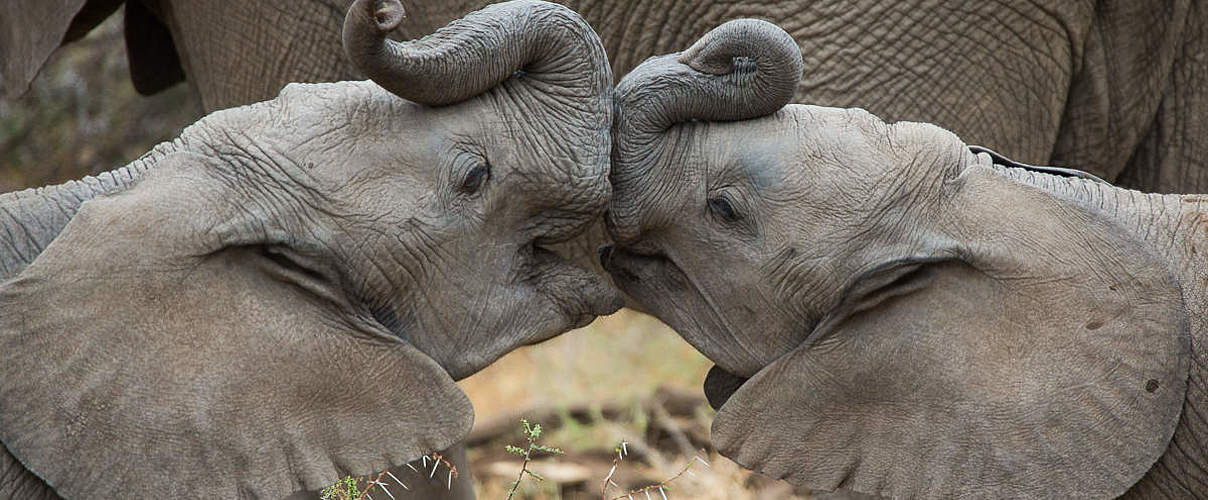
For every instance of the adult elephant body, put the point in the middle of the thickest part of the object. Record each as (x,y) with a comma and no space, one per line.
(1114,87)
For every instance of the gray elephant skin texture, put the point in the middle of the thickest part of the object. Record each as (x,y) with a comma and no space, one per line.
(892,314)
(286,293)
(1115,87)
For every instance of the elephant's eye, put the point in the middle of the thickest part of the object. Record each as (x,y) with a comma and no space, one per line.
(475,178)
(722,208)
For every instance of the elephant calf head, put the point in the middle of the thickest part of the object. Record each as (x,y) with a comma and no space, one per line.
(884,316)
(290,290)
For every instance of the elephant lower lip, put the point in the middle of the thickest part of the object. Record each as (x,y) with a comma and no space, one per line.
(628,266)
(610,254)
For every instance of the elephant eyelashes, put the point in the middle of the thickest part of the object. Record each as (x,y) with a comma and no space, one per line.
(721,208)
(475,178)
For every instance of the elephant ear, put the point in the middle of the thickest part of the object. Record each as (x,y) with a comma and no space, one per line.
(140,357)
(1045,355)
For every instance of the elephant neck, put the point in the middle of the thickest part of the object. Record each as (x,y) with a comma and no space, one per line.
(30,219)
(1175,227)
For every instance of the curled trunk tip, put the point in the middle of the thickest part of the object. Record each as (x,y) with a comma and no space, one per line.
(388,14)
(736,45)
(743,69)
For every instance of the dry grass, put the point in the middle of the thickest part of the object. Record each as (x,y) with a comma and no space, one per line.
(723,480)
(624,356)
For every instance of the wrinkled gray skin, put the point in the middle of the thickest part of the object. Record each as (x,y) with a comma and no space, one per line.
(890,313)
(286,293)
(1115,87)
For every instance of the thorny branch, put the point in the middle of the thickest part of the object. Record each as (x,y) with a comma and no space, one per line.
(623,450)
(351,492)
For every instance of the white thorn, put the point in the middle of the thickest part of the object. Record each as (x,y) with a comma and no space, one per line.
(624,448)
(388,493)
(702,461)
(400,483)
(613,483)
(647,494)
(661,493)
(414,469)
(619,457)
(425,460)
(449,483)
(435,464)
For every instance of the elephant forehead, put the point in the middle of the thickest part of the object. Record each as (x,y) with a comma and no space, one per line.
(558,155)
(822,136)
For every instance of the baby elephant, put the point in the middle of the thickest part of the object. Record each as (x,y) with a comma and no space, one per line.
(287,292)
(892,313)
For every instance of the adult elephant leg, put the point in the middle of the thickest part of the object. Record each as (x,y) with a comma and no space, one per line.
(236,52)
(154,64)
(1172,156)
(1133,98)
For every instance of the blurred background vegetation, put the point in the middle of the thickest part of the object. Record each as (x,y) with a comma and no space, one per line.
(82,116)
(625,377)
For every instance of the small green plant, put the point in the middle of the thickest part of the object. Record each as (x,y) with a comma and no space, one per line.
(532,434)
(346,487)
(349,488)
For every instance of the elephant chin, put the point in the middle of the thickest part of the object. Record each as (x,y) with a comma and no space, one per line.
(654,278)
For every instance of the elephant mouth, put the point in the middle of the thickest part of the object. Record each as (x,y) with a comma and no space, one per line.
(634,269)
(657,282)
(579,294)
(646,275)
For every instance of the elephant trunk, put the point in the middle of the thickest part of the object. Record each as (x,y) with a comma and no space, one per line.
(743,69)
(477,52)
